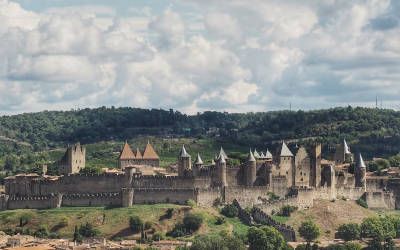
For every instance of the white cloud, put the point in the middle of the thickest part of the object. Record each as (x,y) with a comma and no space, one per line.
(200,55)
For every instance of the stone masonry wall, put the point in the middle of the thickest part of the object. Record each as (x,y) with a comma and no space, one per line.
(151,196)
(246,196)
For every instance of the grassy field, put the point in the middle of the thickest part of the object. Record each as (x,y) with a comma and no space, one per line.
(114,223)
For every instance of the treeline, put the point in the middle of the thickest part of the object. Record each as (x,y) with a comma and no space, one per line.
(376,132)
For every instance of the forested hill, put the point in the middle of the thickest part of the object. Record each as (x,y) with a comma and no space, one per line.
(369,129)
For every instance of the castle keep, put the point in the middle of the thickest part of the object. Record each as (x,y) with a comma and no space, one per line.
(297,175)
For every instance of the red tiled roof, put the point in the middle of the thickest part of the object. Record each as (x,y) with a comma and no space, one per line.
(126,153)
(149,152)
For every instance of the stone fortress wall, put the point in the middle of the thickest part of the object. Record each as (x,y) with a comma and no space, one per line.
(250,184)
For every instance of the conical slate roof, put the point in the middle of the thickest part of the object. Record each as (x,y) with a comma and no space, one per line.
(221,158)
(183,152)
(149,152)
(250,157)
(346,147)
(285,151)
(268,155)
(222,152)
(126,153)
(360,162)
(256,154)
(198,160)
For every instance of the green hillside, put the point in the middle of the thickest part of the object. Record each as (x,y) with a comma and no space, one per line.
(32,139)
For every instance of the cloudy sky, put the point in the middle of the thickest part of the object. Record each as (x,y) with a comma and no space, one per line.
(195,55)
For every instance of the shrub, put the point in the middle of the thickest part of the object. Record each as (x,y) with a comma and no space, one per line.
(41,232)
(362,203)
(158,236)
(287,210)
(346,246)
(192,222)
(191,203)
(135,223)
(24,219)
(178,231)
(220,220)
(54,235)
(230,211)
(169,213)
(87,230)
(348,232)
(272,196)
(213,241)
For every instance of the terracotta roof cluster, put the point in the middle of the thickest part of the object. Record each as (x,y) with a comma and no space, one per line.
(148,154)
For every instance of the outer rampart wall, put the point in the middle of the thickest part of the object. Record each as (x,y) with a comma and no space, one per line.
(90,199)
(151,196)
(380,200)
(33,202)
(207,197)
(246,196)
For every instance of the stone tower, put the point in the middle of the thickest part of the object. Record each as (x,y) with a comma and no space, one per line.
(198,163)
(302,168)
(73,160)
(221,170)
(251,169)
(286,164)
(343,154)
(184,162)
(360,171)
(316,156)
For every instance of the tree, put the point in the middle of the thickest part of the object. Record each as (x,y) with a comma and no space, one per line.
(230,211)
(77,236)
(309,231)
(135,223)
(348,232)
(265,238)
(379,229)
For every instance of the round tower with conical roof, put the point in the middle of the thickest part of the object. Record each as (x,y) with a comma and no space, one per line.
(251,169)
(184,162)
(198,163)
(360,171)
(221,170)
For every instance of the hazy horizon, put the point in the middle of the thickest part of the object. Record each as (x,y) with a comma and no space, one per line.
(193,56)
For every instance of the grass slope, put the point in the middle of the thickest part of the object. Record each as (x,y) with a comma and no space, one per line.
(113,223)
(329,215)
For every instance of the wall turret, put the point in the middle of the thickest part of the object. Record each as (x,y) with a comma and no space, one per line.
(184,162)
(251,169)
